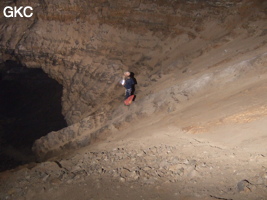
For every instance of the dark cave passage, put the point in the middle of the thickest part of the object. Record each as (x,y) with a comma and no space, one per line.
(30,107)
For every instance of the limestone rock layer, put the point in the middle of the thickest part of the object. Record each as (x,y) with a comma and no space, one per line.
(87,45)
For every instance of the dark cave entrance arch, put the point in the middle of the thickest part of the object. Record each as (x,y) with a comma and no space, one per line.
(30,107)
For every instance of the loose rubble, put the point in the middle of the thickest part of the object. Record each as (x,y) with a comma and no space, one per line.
(149,166)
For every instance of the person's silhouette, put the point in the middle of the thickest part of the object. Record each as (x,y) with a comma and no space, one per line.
(135,82)
(128,83)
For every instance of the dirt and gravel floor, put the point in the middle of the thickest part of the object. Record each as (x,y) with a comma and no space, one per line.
(210,147)
(196,133)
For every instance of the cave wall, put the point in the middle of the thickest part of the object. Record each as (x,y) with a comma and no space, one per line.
(86,46)
(30,107)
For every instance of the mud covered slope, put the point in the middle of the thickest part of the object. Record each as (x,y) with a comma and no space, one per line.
(197,129)
(86,46)
(152,153)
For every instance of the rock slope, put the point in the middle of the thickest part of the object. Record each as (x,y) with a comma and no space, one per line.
(86,46)
(200,67)
(191,167)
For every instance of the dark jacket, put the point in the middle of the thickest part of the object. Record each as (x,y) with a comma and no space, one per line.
(129,83)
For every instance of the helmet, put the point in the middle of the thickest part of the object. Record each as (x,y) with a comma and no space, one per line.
(127,73)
